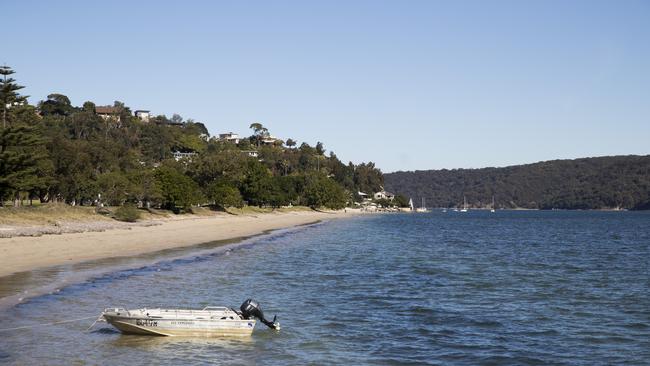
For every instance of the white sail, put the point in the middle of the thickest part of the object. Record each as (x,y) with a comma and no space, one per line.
(422,208)
(464,204)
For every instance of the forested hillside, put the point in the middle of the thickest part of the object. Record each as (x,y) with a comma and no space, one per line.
(590,183)
(96,155)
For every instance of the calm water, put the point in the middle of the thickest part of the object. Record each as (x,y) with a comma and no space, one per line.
(519,288)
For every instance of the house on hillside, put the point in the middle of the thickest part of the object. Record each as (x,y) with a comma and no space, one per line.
(143,115)
(365,197)
(174,123)
(384,195)
(15,104)
(178,155)
(271,140)
(251,153)
(230,137)
(108,112)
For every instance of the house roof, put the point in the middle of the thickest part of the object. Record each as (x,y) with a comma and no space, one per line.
(107,110)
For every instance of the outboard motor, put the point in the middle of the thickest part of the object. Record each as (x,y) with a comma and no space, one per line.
(250,308)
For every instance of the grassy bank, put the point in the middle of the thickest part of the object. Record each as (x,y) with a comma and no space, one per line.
(55,213)
(41,214)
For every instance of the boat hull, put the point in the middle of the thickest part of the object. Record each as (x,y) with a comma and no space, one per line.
(181,327)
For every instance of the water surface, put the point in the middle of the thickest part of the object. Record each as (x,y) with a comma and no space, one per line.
(520,288)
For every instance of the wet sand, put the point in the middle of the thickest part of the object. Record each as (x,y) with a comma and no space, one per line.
(21,254)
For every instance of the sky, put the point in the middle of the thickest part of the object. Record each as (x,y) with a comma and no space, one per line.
(409,85)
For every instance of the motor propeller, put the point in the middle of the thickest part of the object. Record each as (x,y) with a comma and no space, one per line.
(251,308)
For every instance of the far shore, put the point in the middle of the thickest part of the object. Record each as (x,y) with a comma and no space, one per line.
(24,253)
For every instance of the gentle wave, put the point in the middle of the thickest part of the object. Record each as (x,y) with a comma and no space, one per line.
(510,288)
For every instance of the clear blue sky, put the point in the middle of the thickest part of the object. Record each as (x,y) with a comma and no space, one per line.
(407,84)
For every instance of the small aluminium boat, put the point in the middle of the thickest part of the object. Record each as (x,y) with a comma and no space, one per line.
(211,321)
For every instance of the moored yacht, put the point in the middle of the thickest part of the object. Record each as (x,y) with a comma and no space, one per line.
(464,209)
(422,208)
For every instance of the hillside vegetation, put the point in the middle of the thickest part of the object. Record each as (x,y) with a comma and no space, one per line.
(612,182)
(105,155)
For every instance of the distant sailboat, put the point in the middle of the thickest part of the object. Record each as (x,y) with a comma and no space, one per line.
(493,206)
(411,204)
(464,205)
(422,208)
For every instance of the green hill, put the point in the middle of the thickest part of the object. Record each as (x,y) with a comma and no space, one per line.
(108,155)
(590,183)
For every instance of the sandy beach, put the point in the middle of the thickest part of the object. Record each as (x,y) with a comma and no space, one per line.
(19,254)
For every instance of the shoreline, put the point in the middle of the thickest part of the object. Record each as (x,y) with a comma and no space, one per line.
(26,253)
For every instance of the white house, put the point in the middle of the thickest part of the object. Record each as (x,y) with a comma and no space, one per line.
(231,137)
(143,115)
(182,155)
(251,153)
(108,112)
(271,140)
(384,195)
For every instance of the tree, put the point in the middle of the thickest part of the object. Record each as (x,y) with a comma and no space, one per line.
(56,104)
(224,195)
(401,201)
(114,187)
(257,128)
(367,178)
(72,154)
(591,183)
(21,143)
(178,190)
(89,107)
(259,132)
(145,187)
(20,155)
(125,112)
(321,191)
(176,118)
(196,128)
(283,190)
(8,93)
(320,148)
(256,183)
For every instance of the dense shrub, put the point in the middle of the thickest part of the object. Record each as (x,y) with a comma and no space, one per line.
(128,213)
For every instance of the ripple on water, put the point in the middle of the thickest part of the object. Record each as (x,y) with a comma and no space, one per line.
(523,288)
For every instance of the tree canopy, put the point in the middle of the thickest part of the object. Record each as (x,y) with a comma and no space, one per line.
(590,183)
(60,152)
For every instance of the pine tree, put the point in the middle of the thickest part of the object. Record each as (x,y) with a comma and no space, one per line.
(21,143)
(8,93)
(19,159)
